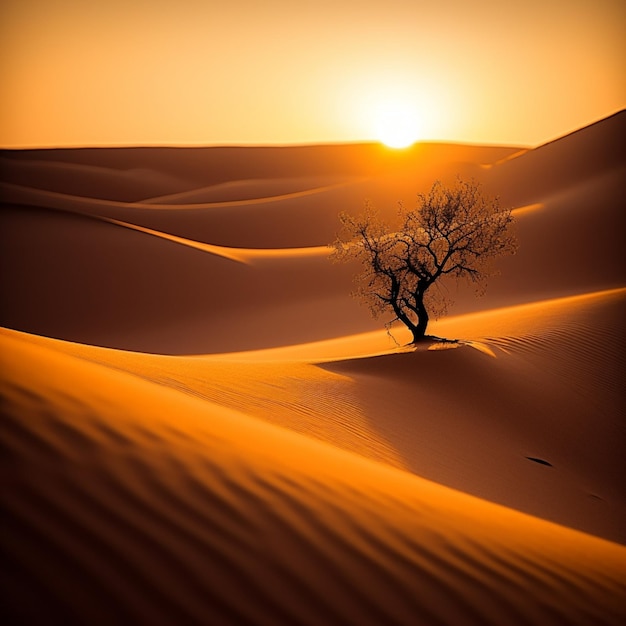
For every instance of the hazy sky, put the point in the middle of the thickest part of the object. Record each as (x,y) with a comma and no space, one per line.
(119,72)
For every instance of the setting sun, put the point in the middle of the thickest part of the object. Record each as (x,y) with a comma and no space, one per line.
(397,125)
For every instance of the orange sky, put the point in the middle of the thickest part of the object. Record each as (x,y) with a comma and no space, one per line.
(128,72)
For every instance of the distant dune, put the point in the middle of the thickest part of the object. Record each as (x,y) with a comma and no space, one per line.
(201,426)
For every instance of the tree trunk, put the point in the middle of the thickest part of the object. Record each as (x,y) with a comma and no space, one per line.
(419,329)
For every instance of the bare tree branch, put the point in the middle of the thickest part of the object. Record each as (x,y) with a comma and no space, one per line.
(454,231)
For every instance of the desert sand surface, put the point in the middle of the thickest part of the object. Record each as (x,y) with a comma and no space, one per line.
(201,426)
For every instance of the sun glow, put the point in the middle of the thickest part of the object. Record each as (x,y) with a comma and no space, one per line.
(397,124)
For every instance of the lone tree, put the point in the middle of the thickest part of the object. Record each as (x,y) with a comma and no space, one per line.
(454,232)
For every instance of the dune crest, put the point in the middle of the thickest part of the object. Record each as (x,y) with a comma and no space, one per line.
(242,255)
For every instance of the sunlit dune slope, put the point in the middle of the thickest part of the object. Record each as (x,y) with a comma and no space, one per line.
(128,502)
(535,381)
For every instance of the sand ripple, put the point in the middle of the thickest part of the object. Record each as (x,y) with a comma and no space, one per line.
(136,504)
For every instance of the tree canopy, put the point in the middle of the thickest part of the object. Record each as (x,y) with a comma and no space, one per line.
(454,232)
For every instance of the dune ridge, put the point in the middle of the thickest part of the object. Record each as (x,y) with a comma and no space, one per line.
(242,255)
(27,195)
(254,190)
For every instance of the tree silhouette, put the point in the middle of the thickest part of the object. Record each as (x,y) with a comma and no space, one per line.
(454,232)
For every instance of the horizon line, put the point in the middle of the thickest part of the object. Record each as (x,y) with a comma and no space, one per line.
(241,145)
(303,144)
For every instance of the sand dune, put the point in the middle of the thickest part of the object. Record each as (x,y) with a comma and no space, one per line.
(201,426)
(125,300)
(587,222)
(216,517)
(222,164)
(87,180)
(242,190)
(555,362)
(584,154)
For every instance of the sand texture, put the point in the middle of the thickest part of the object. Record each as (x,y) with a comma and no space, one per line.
(201,426)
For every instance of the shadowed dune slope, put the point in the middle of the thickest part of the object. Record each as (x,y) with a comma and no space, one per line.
(160,508)
(86,180)
(80,278)
(548,169)
(72,277)
(246,190)
(236,211)
(570,243)
(214,165)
